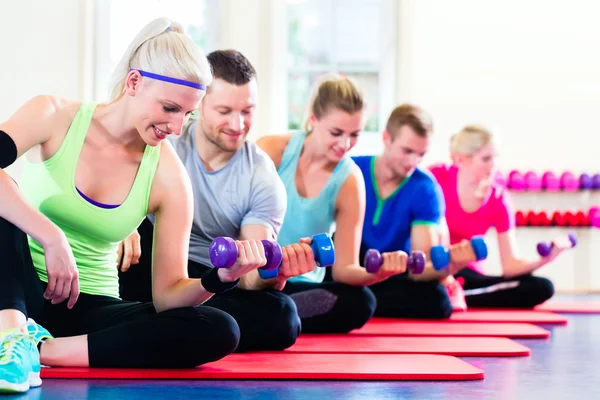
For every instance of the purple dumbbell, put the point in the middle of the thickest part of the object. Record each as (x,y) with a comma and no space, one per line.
(585,182)
(596,181)
(544,248)
(223,253)
(374,260)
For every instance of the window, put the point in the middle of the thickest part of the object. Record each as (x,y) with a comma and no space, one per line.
(118,21)
(334,36)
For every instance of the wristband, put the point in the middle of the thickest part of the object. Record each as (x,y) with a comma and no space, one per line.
(213,284)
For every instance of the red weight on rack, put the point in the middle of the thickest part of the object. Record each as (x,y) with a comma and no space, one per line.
(521,218)
(570,219)
(544,219)
(558,219)
(533,218)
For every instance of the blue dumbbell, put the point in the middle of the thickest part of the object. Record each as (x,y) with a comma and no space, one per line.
(323,250)
(440,255)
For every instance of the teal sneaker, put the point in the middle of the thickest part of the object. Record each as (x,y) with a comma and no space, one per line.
(19,363)
(37,332)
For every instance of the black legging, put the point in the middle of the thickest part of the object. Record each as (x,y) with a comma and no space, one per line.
(331,307)
(268,319)
(121,334)
(525,291)
(401,297)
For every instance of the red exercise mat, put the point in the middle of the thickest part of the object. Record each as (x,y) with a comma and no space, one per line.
(500,315)
(395,327)
(571,307)
(451,346)
(393,367)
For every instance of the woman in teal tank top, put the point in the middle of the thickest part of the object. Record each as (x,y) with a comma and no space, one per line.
(102,169)
(325,192)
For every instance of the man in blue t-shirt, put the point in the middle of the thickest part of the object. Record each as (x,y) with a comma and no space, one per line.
(405,211)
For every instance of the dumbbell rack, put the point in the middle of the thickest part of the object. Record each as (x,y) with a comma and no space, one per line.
(548,182)
(543,213)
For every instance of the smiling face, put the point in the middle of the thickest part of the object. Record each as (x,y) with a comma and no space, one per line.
(337,132)
(160,108)
(227,113)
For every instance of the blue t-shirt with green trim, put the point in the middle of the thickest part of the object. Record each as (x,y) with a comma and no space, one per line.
(417,200)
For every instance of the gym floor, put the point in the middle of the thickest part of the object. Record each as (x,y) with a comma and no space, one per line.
(565,366)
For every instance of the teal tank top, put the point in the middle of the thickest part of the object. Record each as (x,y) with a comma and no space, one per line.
(306,217)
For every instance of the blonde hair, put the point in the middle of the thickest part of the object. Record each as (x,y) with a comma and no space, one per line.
(162,47)
(333,91)
(470,140)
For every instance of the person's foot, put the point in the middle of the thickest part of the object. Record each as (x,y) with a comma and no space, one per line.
(457,294)
(19,362)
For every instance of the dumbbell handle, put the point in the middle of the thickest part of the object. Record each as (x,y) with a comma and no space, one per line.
(544,248)
(440,255)
(374,260)
(323,251)
(223,253)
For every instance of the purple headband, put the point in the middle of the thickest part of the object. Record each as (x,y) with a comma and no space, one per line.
(169,79)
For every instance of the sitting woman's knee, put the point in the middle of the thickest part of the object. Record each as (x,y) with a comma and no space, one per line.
(360,304)
(542,289)
(212,333)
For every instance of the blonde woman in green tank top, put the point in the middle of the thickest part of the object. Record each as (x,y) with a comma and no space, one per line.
(100,169)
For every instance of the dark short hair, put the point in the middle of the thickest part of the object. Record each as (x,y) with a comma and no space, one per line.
(231,66)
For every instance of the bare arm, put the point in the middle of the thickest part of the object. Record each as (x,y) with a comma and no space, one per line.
(274,146)
(511,264)
(172,194)
(348,233)
(47,128)
(27,132)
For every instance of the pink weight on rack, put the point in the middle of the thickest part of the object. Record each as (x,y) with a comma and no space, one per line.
(516,181)
(550,182)
(533,182)
(568,182)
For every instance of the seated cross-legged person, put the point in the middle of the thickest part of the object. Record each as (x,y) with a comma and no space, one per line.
(404,211)
(325,191)
(94,172)
(475,202)
(237,194)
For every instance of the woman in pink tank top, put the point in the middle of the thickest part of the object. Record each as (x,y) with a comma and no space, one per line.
(475,202)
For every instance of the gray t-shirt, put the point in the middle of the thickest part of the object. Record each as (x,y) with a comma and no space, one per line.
(246,191)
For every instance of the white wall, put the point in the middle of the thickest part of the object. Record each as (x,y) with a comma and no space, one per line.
(528,69)
(42,45)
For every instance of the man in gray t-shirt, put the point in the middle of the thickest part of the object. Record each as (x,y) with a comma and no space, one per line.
(245,194)
(237,193)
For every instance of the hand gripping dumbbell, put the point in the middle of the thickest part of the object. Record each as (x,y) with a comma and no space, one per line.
(223,254)
(544,248)
(374,260)
(440,255)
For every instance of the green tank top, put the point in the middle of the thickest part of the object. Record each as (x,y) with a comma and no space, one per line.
(93,232)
